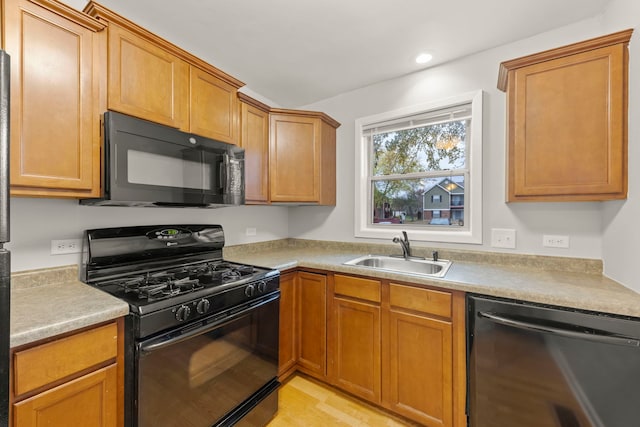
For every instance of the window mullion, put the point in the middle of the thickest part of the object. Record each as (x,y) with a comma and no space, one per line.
(418,175)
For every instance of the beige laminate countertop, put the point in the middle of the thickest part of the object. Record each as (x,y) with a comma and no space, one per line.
(46,303)
(587,291)
(49,302)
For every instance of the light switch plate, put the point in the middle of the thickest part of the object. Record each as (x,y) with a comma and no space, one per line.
(503,238)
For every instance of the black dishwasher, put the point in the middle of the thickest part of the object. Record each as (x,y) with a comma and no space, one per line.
(534,365)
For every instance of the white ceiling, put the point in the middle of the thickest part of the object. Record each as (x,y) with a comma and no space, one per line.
(296,52)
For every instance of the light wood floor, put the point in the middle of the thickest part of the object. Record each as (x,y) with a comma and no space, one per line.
(306,402)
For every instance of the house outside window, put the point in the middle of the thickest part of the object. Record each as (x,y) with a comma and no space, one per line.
(419,170)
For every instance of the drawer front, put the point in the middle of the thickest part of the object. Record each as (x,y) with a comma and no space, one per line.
(356,287)
(47,363)
(437,303)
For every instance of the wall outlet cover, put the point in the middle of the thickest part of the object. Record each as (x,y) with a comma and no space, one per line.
(66,246)
(503,238)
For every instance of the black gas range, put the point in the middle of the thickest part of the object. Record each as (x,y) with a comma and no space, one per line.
(186,303)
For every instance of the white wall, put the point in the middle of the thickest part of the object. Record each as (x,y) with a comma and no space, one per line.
(35,222)
(621,238)
(581,221)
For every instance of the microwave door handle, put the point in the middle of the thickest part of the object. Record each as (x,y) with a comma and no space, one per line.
(224,173)
(537,327)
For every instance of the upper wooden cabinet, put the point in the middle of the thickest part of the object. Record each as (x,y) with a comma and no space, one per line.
(57,86)
(302,157)
(213,106)
(254,138)
(145,80)
(567,122)
(155,80)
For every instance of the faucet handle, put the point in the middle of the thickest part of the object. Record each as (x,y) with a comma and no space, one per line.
(404,234)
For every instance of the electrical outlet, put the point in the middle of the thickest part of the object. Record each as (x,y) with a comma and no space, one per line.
(251,231)
(503,238)
(552,241)
(67,246)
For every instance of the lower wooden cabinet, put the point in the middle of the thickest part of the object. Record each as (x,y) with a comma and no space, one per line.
(72,381)
(90,401)
(312,323)
(354,337)
(397,345)
(288,344)
(420,368)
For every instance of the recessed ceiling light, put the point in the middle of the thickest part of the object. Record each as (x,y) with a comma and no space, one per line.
(423,58)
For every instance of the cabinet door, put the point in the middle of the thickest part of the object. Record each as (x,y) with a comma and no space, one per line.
(421,368)
(55,100)
(312,323)
(288,354)
(255,141)
(356,348)
(146,81)
(295,159)
(213,108)
(89,401)
(567,127)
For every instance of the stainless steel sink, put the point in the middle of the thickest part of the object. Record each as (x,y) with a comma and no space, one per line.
(415,266)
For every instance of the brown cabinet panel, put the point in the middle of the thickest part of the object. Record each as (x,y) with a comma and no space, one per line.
(288,343)
(421,369)
(356,348)
(38,366)
(312,323)
(254,138)
(302,157)
(295,152)
(147,81)
(55,99)
(567,122)
(89,401)
(213,107)
(429,301)
(75,380)
(357,287)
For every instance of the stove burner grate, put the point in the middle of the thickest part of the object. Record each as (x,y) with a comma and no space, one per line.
(165,284)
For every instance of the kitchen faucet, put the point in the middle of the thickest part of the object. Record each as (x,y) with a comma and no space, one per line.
(404,244)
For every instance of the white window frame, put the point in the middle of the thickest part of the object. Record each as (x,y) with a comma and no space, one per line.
(473,189)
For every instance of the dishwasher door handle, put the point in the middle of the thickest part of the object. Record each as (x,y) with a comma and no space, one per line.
(595,336)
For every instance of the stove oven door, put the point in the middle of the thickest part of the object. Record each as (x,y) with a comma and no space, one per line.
(213,372)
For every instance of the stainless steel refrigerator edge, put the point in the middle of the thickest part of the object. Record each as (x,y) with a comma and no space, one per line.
(5,256)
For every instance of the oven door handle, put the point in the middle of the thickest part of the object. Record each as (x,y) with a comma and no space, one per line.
(164,341)
(595,336)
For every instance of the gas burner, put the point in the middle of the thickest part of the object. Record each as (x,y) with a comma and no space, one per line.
(158,285)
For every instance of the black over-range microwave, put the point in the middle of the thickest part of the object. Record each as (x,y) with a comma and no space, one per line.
(148,164)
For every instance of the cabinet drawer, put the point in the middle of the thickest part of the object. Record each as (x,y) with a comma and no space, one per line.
(51,362)
(357,288)
(429,301)
(90,400)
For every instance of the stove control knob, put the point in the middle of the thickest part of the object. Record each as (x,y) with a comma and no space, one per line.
(262,286)
(250,290)
(183,313)
(203,306)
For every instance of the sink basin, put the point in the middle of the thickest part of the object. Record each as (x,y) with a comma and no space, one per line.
(415,266)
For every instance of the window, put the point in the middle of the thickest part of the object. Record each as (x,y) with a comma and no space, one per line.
(418,161)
